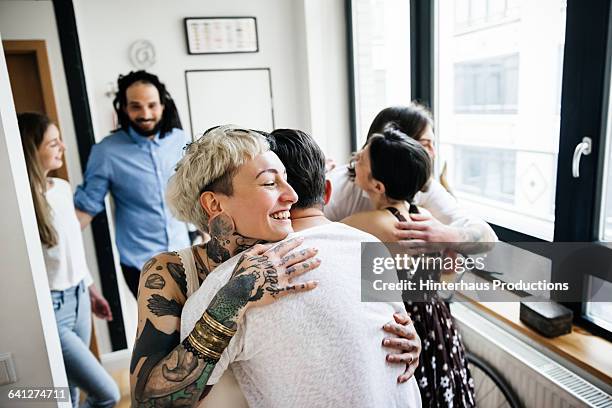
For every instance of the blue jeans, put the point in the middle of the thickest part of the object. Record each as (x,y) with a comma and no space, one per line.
(73,315)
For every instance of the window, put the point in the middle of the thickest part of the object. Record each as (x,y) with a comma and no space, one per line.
(605,225)
(487,86)
(470,14)
(496,94)
(486,172)
(381,58)
(598,307)
(514,90)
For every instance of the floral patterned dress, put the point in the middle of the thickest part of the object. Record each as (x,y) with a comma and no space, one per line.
(443,376)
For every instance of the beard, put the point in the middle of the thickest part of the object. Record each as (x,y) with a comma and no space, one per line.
(136,125)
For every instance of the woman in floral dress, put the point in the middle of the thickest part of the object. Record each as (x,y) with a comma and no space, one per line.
(392,168)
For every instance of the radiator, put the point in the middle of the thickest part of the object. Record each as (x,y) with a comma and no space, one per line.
(539,381)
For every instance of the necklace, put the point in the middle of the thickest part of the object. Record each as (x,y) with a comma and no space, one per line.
(310,216)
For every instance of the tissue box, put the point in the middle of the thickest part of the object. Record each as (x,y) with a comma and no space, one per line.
(548,318)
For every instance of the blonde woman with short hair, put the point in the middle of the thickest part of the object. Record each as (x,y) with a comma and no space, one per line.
(230,185)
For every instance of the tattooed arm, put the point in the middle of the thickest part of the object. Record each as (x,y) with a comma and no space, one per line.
(161,296)
(164,372)
(474,237)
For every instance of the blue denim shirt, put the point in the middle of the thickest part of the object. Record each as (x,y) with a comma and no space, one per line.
(135,170)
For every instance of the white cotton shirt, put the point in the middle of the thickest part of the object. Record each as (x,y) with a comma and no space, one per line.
(347,199)
(65,262)
(321,348)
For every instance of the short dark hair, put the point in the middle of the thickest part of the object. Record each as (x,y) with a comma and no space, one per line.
(170,118)
(399,162)
(411,120)
(305,164)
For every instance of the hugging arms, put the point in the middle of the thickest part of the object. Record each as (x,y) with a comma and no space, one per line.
(166,372)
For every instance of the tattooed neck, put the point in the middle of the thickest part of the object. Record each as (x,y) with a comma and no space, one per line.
(219,249)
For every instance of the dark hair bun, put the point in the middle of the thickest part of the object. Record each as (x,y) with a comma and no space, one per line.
(399,162)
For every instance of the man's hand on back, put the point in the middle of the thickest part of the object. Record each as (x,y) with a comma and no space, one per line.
(408,343)
(426,228)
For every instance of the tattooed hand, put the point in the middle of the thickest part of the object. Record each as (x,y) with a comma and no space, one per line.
(263,275)
(476,237)
(408,343)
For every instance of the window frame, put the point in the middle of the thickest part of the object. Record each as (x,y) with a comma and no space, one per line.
(585,96)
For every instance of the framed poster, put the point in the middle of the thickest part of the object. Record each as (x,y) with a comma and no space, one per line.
(221,35)
(241,97)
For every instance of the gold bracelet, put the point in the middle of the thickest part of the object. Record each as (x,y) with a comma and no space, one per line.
(204,335)
(216,325)
(194,348)
(210,336)
(202,349)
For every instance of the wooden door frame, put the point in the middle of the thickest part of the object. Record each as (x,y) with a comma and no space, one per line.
(39,48)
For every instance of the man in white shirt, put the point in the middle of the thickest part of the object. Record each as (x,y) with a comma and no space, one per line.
(322,348)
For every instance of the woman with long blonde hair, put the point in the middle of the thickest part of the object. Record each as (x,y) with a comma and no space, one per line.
(72,291)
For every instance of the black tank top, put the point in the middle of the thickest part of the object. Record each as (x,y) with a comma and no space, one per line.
(413,209)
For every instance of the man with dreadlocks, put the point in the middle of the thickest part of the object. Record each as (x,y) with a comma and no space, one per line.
(134,163)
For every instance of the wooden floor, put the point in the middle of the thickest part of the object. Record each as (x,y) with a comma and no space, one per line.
(122,378)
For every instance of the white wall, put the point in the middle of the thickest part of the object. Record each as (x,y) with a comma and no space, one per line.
(28,323)
(107,29)
(327,59)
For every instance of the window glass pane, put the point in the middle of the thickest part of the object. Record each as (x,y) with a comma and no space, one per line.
(381,44)
(462,12)
(475,14)
(606,219)
(487,86)
(488,172)
(478,11)
(498,84)
(599,309)
(496,9)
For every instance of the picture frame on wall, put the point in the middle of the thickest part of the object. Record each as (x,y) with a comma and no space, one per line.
(221,35)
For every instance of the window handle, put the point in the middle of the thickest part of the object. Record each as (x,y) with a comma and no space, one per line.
(582,148)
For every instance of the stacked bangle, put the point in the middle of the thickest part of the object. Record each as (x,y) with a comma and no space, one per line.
(218,326)
(209,338)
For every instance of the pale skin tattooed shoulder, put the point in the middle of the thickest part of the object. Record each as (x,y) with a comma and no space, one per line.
(161,296)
